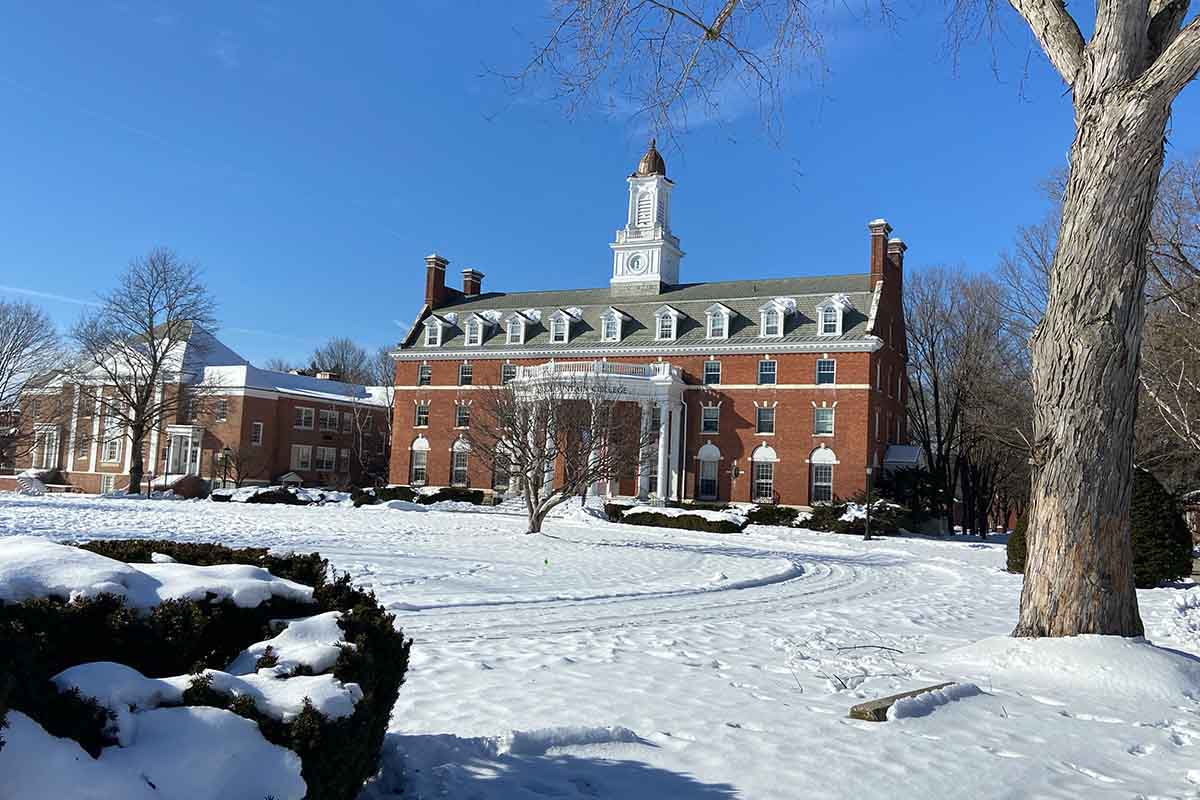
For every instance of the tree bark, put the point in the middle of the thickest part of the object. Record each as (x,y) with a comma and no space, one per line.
(135,461)
(1079,576)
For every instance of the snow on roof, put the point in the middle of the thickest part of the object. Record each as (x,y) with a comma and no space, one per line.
(250,377)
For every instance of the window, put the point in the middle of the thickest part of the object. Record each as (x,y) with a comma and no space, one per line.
(347,422)
(708,480)
(301,457)
(666,326)
(716,325)
(420,467)
(108,484)
(45,454)
(326,459)
(822,483)
(710,419)
(462,415)
(610,328)
(344,459)
(474,332)
(712,372)
(458,470)
(256,434)
(559,329)
(766,372)
(112,440)
(764,481)
(422,417)
(826,371)
(822,421)
(771,323)
(465,373)
(329,420)
(304,419)
(424,375)
(764,420)
(829,321)
(222,410)
(645,209)
(515,332)
(507,373)
(433,335)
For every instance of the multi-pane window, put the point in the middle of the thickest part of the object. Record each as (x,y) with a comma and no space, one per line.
(221,411)
(45,453)
(766,372)
(823,421)
(710,419)
(666,326)
(764,420)
(515,332)
(474,332)
(712,372)
(329,420)
(422,419)
(304,419)
(424,375)
(433,335)
(822,483)
(764,481)
(256,433)
(829,321)
(458,470)
(507,373)
(326,459)
(558,330)
(826,371)
(610,330)
(465,373)
(420,467)
(301,457)
(108,484)
(771,325)
(347,422)
(462,415)
(112,440)
(344,459)
(708,480)
(716,326)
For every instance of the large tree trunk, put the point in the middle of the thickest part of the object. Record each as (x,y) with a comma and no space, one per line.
(135,461)
(1079,574)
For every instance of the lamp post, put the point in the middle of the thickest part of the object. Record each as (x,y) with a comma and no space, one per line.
(225,454)
(867,528)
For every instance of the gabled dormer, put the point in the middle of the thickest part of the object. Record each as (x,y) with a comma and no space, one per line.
(772,317)
(561,322)
(830,313)
(476,327)
(435,330)
(515,326)
(612,322)
(717,319)
(666,323)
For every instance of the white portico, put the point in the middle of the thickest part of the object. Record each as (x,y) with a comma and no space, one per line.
(657,387)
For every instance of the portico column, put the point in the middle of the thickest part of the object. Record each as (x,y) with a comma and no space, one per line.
(676,429)
(643,491)
(664,422)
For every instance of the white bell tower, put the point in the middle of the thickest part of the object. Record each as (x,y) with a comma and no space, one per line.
(646,254)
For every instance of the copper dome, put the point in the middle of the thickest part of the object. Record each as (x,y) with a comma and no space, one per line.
(651,164)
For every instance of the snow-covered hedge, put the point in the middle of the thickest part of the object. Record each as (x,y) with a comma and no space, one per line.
(425,496)
(311,665)
(685,518)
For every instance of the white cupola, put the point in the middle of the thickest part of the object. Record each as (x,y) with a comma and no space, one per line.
(646,254)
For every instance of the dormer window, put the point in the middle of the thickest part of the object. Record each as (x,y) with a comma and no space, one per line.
(610,325)
(771,323)
(829,321)
(830,313)
(666,324)
(474,332)
(560,328)
(514,332)
(718,321)
(433,333)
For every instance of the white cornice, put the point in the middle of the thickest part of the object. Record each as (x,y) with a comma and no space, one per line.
(705,347)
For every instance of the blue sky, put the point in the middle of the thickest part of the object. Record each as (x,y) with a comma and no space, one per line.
(309,156)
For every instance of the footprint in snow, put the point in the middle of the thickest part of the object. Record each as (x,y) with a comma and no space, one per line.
(1140,750)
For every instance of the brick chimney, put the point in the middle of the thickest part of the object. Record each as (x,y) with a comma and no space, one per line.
(472,282)
(895,253)
(879,245)
(435,280)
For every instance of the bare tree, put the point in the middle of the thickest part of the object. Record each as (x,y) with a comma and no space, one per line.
(141,352)
(341,356)
(245,463)
(556,437)
(29,352)
(660,55)
(277,364)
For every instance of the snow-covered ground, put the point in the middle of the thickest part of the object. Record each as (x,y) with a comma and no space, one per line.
(603,660)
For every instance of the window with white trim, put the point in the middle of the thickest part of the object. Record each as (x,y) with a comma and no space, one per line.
(830,322)
(112,440)
(764,481)
(328,420)
(507,373)
(326,459)
(301,457)
(303,419)
(424,375)
(474,332)
(707,484)
(764,420)
(344,459)
(666,327)
(710,419)
(256,434)
(766,372)
(771,323)
(462,416)
(822,483)
(822,422)
(433,335)
(465,374)
(514,333)
(459,475)
(422,418)
(559,329)
(610,328)
(419,469)
(718,327)
(45,452)
(826,371)
(221,410)
(712,372)
(108,484)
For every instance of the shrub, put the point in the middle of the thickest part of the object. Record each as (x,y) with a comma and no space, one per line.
(773,515)
(1018,546)
(278,495)
(370,497)
(456,493)
(43,637)
(826,517)
(1162,545)
(614,511)
(690,522)
(886,518)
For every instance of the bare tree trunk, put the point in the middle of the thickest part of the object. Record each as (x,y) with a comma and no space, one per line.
(1085,363)
(136,436)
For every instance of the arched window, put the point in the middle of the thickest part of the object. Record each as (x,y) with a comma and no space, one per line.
(474,333)
(762,463)
(419,463)
(829,321)
(706,477)
(770,323)
(821,463)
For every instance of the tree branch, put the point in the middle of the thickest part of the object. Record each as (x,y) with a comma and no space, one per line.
(1056,32)
(1177,65)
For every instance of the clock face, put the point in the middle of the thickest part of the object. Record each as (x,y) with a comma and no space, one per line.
(637,264)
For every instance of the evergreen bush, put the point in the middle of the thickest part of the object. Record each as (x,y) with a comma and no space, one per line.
(1162,544)
(690,522)
(370,497)
(456,493)
(769,514)
(1018,546)
(277,495)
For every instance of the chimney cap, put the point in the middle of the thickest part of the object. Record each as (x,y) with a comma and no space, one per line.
(896,245)
(472,273)
(879,226)
(434,259)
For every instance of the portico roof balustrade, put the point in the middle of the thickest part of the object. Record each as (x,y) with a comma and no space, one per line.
(658,380)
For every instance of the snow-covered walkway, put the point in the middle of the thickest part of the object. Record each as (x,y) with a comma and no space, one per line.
(602,660)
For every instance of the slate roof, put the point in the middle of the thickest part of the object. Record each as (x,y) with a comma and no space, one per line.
(744,297)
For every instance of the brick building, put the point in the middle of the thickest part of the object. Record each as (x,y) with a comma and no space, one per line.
(781,389)
(269,426)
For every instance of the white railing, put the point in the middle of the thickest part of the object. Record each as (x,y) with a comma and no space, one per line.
(550,369)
